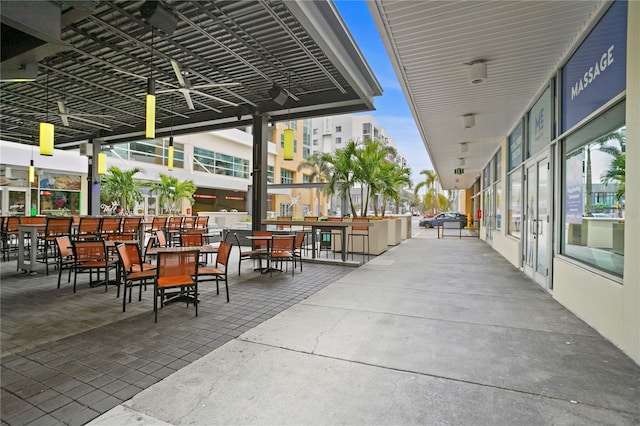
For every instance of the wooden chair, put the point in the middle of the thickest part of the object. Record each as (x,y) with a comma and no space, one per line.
(66,259)
(219,271)
(161,239)
(9,236)
(157,224)
(282,251)
(89,228)
(176,270)
(55,227)
(258,249)
(174,228)
(359,232)
(130,228)
(298,247)
(132,277)
(284,228)
(109,227)
(92,256)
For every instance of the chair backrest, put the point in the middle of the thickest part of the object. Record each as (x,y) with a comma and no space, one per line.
(224,251)
(12,224)
(175,222)
(58,226)
(299,241)
(281,227)
(189,222)
(161,238)
(191,240)
(177,264)
(88,251)
(3,219)
(131,224)
(158,222)
(282,243)
(89,225)
(334,219)
(202,222)
(64,246)
(33,220)
(110,225)
(123,254)
(361,220)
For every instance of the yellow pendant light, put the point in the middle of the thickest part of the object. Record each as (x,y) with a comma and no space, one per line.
(46,139)
(288,144)
(102,163)
(32,172)
(46,129)
(170,155)
(150,129)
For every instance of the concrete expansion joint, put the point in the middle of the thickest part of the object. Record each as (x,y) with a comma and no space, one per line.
(441,377)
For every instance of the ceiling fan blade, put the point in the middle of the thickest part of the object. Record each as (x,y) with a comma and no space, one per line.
(161,91)
(215,98)
(187,97)
(62,107)
(94,123)
(178,72)
(90,115)
(214,85)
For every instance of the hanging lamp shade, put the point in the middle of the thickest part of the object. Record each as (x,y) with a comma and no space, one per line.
(170,155)
(288,144)
(46,138)
(150,129)
(32,172)
(102,163)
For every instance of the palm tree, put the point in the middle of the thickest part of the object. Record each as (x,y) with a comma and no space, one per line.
(432,199)
(616,174)
(120,185)
(320,170)
(171,191)
(393,178)
(342,175)
(367,161)
(604,144)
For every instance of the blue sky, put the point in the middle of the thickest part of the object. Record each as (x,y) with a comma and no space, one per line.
(392,112)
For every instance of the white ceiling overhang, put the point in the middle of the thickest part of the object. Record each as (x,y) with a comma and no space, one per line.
(431,43)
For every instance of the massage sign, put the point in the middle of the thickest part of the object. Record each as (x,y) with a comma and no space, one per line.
(597,71)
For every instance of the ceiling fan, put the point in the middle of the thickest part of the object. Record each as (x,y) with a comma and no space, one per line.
(65,115)
(187,89)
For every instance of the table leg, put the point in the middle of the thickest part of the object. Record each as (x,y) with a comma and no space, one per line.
(21,250)
(313,242)
(343,231)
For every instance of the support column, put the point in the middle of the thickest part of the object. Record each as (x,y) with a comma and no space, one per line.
(259,174)
(94,179)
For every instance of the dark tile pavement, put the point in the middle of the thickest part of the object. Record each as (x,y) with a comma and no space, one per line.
(67,358)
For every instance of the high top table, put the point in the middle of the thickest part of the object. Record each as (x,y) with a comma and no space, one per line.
(32,230)
(321,224)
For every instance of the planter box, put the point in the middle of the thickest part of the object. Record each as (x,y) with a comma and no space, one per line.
(378,239)
(394,235)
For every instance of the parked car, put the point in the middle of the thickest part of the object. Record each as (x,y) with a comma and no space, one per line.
(444,217)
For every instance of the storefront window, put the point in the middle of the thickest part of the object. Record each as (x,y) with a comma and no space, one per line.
(515,203)
(593,188)
(498,205)
(59,194)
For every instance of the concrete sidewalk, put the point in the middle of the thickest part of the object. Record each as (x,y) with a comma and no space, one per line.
(431,332)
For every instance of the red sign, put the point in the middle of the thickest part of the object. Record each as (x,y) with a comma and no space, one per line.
(204,196)
(234,198)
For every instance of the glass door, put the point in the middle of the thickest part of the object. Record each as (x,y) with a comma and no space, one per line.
(537,221)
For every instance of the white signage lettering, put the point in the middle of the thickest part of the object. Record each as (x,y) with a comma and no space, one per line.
(593,72)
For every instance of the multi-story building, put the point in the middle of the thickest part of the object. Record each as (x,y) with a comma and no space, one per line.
(331,133)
